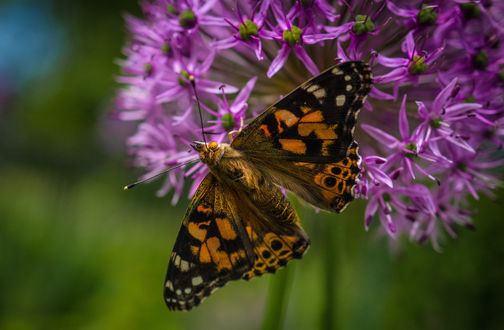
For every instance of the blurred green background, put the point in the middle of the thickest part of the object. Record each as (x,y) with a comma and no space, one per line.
(76,252)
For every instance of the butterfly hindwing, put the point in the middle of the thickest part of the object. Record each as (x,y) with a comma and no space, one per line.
(227,235)
(299,140)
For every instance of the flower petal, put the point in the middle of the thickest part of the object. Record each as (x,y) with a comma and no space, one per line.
(278,61)
(392,62)
(443,96)
(384,138)
(403,120)
(306,59)
(241,99)
(400,11)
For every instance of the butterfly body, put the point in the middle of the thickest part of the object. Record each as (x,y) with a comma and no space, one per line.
(239,223)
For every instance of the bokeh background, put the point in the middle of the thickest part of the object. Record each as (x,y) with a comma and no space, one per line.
(76,252)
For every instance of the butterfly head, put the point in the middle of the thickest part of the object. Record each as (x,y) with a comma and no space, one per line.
(210,153)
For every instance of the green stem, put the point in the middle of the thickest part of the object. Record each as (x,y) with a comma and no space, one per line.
(331,238)
(278,298)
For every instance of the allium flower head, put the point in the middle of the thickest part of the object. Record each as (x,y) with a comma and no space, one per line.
(432,130)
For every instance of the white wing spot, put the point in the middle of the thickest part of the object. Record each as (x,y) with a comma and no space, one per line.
(197,280)
(169,285)
(348,88)
(320,93)
(340,100)
(312,88)
(337,71)
(178,292)
(348,78)
(187,290)
(184,265)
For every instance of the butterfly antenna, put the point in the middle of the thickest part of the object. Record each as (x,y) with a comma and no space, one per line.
(193,84)
(155,176)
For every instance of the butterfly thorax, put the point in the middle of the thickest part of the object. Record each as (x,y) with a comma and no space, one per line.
(230,166)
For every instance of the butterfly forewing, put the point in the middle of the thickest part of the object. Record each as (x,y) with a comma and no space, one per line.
(305,142)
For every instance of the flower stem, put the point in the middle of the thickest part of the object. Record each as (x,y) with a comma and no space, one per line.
(278,298)
(330,239)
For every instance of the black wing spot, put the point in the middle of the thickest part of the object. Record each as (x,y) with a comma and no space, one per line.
(329,181)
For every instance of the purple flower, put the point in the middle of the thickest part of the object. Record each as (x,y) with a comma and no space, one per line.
(292,39)
(444,60)
(247,31)
(404,150)
(409,68)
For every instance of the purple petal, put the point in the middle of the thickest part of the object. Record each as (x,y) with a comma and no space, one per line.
(315,38)
(225,43)
(261,14)
(371,209)
(341,53)
(409,45)
(393,75)
(379,95)
(215,87)
(278,61)
(207,63)
(403,120)
(256,44)
(409,167)
(375,160)
(206,7)
(461,143)
(279,14)
(392,62)
(241,99)
(462,108)
(384,138)
(443,96)
(422,109)
(336,31)
(170,94)
(306,59)
(434,55)
(211,21)
(411,13)
(381,177)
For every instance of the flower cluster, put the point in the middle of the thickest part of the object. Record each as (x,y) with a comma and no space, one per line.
(433,129)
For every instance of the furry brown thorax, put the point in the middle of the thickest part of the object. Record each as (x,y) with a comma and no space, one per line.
(211,153)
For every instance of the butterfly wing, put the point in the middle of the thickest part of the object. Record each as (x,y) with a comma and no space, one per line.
(305,142)
(226,236)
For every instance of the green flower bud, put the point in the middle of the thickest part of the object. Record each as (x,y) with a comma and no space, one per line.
(248,29)
(413,148)
(292,36)
(435,123)
(170,9)
(166,49)
(480,60)
(470,10)
(187,19)
(427,16)
(363,24)
(418,65)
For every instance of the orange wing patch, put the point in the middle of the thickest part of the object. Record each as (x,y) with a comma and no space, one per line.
(313,117)
(226,229)
(293,145)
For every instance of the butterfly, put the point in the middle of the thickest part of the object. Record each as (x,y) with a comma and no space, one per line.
(239,224)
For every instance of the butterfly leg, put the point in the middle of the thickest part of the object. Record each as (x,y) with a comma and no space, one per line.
(231,133)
